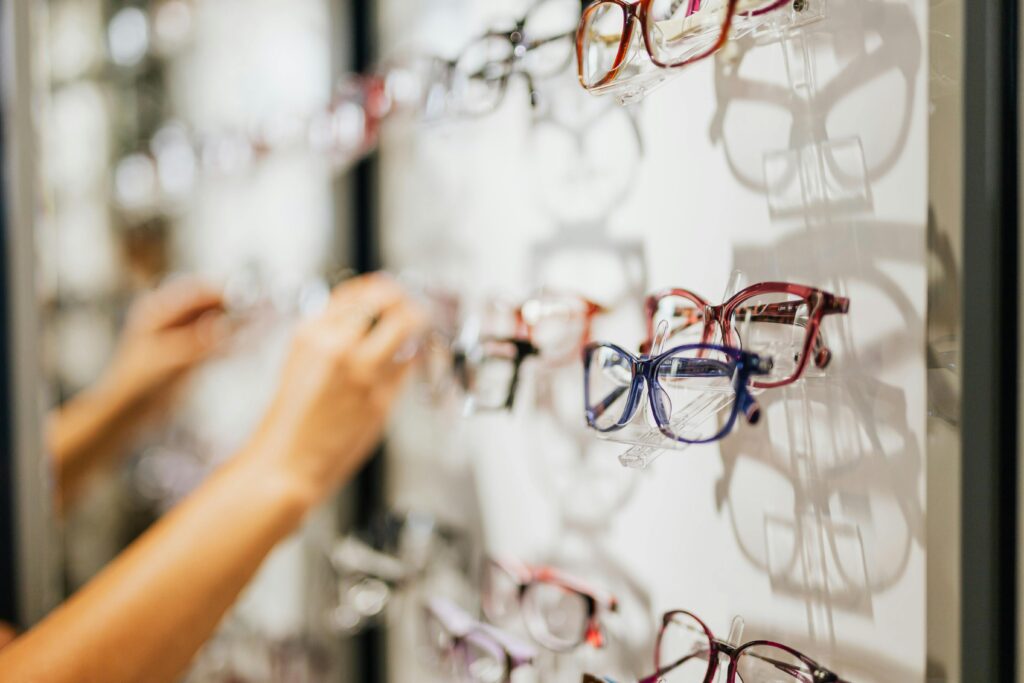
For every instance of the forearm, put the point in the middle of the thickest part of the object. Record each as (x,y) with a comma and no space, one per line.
(90,429)
(144,617)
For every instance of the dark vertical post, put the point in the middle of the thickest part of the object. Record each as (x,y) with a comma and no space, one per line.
(991,341)
(8,549)
(365,251)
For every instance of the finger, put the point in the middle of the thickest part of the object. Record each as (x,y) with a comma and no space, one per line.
(187,346)
(180,302)
(359,286)
(397,328)
(369,303)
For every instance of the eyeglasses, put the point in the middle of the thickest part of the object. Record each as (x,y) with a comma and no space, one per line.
(488,371)
(686,387)
(470,650)
(559,611)
(687,652)
(775,319)
(558,324)
(538,46)
(551,326)
(674,33)
(374,564)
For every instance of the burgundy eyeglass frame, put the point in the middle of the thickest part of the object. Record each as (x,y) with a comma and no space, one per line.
(526,575)
(819,673)
(820,304)
(638,12)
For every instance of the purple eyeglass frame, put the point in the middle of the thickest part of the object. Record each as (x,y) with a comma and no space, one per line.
(645,370)
(819,674)
(465,629)
(639,12)
(820,304)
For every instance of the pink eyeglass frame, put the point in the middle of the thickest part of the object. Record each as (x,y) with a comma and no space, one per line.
(820,304)
(639,12)
(596,599)
(590,309)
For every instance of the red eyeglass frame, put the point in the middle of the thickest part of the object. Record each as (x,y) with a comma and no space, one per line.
(820,304)
(525,575)
(638,12)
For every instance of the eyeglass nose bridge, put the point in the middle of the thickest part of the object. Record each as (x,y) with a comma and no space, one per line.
(635,400)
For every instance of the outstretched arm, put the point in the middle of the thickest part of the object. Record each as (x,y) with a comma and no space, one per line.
(144,617)
(169,331)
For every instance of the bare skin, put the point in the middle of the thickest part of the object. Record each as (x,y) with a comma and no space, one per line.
(144,617)
(168,333)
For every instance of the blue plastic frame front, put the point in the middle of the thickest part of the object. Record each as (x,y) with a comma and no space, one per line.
(644,372)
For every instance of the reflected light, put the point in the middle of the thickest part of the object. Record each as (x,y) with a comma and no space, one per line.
(128,35)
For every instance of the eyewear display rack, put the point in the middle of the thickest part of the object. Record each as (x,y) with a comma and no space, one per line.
(990,445)
(30,560)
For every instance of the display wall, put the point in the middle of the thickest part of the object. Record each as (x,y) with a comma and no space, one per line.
(797,155)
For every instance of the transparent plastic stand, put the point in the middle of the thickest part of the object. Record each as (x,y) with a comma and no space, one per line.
(821,173)
(735,638)
(646,441)
(782,23)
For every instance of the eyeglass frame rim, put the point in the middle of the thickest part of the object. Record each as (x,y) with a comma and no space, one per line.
(638,12)
(524,349)
(526,575)
(821,302)
(643,368)
(718,647)
(478,629)
(514,59)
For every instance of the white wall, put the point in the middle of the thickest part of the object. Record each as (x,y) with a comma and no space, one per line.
(810,525)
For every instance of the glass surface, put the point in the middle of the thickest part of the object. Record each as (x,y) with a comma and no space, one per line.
(609,377)
(774,326)
(680,30)
(689,392)
(481,660)
(683,650)
(480,74)
(557,325)
(767,664)
(550,29)
(602,34)
(685,319)
(499,595)
(487,373)
(555,616)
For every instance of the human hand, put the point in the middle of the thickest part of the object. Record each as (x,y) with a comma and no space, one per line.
(342,375)
(168,332)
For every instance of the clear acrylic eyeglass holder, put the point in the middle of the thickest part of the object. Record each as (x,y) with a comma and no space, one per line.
(645,440)
(735,638)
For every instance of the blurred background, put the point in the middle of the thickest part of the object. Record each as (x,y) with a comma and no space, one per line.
(275,148)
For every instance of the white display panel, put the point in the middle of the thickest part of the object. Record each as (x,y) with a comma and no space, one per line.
(803,159)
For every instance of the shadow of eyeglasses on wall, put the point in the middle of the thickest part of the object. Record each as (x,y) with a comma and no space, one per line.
(828,504)
(814,144)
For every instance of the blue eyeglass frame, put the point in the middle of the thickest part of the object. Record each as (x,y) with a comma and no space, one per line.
(741,367)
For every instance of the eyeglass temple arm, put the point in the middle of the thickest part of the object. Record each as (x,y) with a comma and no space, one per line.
(820,675)
(550,39)
(653,678)
(599,409)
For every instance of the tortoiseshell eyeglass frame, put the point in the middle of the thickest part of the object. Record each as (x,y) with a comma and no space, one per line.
(717,648)
(634,13)
(819,303)
(525,575)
